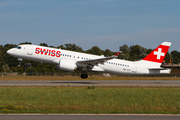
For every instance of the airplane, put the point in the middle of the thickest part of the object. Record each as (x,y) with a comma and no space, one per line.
(69,60)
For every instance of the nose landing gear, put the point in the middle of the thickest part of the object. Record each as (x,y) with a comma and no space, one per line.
(20,59)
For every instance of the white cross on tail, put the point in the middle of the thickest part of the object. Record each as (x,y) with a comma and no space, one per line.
(159,53)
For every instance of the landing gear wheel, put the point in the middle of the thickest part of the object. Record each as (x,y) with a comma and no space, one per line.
(84,76)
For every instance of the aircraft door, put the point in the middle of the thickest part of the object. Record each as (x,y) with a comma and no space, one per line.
(134,69)
(30,49)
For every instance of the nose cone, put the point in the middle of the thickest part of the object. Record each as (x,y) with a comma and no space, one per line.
(10,52)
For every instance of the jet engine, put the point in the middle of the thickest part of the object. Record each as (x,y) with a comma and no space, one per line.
(67,65)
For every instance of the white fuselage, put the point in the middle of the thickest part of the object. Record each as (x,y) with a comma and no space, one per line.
(53,55)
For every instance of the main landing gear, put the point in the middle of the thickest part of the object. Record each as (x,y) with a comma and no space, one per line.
(84,75)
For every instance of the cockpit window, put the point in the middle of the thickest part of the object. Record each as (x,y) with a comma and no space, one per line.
(18,47)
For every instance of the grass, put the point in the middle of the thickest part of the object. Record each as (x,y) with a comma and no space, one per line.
(46,78)
(90,100)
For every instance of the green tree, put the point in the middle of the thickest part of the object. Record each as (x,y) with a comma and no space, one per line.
(175,57)
(20,70)
(11,61)
(142,52)
(167,57)
(60,47)
(107,53)
(95,50)
(1,58)
(25,43)
(14,69)
(125,52)
(124,56)
(124,48)
(44,44)
(6,68)
(134,52)
(148,51)
(42,68)
(31,71)
(73,47)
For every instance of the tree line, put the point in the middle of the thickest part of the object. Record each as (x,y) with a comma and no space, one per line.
(131,53)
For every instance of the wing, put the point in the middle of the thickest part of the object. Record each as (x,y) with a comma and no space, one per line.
(97,61)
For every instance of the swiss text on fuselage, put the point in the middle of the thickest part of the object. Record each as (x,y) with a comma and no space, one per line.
(48,52)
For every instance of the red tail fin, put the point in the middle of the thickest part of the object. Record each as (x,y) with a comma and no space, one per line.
(117,54)
(159,53)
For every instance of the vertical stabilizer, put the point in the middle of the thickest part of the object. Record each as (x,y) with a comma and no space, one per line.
(158,54)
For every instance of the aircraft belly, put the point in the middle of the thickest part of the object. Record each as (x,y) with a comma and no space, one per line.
(39,58)
(116,69)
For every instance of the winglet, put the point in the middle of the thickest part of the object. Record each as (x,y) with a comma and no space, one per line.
(117,54)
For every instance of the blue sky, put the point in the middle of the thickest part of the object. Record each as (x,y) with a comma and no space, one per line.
(87,23)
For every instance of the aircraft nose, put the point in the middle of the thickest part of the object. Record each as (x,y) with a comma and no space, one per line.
(10,52)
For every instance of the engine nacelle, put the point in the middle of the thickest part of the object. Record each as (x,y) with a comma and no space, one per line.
(67,65)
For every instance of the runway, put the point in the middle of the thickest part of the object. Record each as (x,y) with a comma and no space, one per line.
(87,117)
(111,83)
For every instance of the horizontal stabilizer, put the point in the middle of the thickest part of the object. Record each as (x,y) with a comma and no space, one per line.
(157,68)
